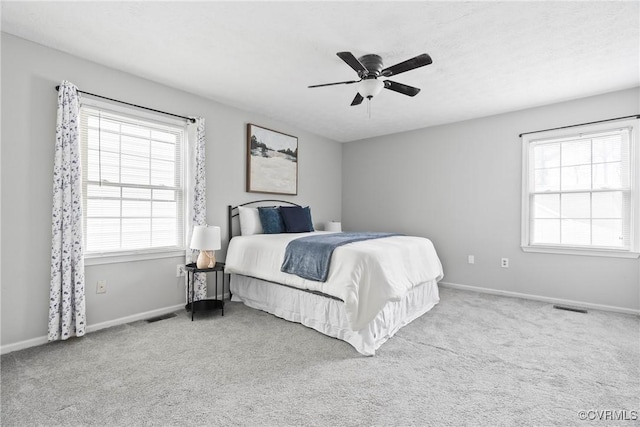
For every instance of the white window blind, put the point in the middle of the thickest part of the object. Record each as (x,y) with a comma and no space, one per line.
(580,190)
(133,182)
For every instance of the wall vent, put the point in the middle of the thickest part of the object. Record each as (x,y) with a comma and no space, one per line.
(567,308)
(164,316)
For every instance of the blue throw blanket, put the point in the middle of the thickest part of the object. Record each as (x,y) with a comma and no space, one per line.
(309,257)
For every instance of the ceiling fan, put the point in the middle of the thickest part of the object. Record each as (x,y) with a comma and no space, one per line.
(369,69)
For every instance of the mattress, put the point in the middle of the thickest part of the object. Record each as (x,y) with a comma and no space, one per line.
(365,276)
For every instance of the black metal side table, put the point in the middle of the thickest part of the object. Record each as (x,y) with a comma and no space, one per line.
(209,303)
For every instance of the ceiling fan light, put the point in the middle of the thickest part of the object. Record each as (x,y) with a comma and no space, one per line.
(369,88)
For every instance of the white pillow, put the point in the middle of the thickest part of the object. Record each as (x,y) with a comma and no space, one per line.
(249,221)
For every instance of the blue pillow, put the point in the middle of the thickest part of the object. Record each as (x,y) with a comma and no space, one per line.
(271,220)
(307,209)
(296,219)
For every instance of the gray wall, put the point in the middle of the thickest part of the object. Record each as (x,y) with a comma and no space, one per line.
(460,185)
(29,74)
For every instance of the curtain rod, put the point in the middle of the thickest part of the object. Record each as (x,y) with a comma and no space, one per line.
(636,116)
(134,105)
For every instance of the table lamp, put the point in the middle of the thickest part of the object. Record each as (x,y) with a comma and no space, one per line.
(207,240)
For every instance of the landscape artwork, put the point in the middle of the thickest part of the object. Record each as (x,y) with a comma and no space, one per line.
(272,161)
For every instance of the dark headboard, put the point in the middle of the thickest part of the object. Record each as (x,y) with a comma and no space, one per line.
(233,211)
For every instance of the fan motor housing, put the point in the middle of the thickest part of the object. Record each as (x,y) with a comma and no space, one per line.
(373,63)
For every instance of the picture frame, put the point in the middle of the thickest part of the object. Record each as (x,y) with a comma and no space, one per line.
(272,161)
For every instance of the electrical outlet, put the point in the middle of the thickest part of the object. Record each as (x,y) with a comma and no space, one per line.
(471,259)
(504,263)
(179,270)
(101,287)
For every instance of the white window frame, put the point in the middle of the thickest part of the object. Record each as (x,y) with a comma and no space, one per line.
(634,166)
(110,257)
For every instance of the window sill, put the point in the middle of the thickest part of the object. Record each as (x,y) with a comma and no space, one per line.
(584,252)
(118,257)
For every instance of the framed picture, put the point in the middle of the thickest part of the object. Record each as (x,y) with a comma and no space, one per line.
(272,161)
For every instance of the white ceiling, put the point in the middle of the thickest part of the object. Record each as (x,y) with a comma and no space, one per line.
(488,57)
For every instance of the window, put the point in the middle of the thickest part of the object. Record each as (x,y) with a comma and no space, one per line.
(133,181)
(580,190)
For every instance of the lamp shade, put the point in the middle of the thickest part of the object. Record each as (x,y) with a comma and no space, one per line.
(205,238)
(333,226)
(369,88)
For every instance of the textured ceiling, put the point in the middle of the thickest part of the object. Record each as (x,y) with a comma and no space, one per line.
(488,57)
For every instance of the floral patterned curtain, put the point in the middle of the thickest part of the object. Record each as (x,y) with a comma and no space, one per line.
(66,303)
(198,211)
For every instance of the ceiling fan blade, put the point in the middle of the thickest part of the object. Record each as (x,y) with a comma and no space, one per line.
(409,64)
(353,62)
(357,100)
(337,83)
(401,88)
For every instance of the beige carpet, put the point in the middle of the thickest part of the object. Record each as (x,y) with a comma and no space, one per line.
(475,360)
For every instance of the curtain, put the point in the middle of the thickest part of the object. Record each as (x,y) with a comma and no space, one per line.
(198,207)
(66,302)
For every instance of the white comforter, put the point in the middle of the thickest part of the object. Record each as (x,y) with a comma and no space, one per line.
(365,275)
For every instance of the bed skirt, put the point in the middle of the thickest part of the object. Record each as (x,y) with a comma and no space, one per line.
(327,315)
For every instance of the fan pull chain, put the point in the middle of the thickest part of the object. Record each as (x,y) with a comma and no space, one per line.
(369,107)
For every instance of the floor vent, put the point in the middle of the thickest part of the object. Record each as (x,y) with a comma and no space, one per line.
(567,308)
(164,316)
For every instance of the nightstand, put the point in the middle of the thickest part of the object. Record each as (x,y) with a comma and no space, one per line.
(209,303)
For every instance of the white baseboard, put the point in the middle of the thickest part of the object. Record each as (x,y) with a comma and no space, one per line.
(134,318)
(541,298)
(8,348)
(33,342)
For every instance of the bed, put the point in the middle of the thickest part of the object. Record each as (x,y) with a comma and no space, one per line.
(373,287)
